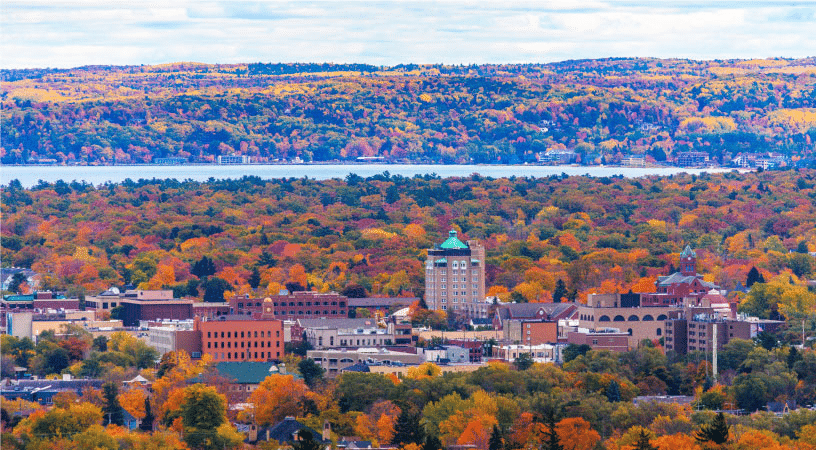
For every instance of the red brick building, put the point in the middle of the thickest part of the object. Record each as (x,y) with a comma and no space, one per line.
(672,289)
(611,340)
(237,338)
(297,305)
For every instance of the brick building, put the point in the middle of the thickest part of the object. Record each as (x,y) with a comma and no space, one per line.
(672,289)
(607,339)
(455,278)
(238,338)
(297,305)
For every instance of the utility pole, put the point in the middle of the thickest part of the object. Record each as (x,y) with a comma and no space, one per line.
(714,353)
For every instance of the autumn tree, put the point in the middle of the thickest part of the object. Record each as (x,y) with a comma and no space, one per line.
(278,396)
(575,433)
(203,416)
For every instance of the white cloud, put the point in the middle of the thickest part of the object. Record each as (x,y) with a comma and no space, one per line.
(46,33)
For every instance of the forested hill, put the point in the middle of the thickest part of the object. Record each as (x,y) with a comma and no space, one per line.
(602,109)
(597,235)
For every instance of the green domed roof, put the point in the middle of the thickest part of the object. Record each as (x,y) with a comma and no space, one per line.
(453,242)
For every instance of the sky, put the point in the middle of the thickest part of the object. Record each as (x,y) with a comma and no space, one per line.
(71,33)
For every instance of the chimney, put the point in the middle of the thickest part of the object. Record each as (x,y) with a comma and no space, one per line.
(326,430)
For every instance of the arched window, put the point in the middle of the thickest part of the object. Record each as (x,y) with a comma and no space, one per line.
(630,331)
(604,319)
(619,318)
(659,331)
(634,318)
(662,317)
(648,318)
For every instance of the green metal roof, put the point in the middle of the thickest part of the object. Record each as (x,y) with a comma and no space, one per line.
(19,298)
(441,261)
(453,242)
(247,372)
(688,253)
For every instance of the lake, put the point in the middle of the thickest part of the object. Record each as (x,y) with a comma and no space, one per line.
(96,175)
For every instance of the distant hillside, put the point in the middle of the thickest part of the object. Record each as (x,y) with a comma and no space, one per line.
(604,110)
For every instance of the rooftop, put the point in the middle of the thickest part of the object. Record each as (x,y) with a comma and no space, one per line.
(453,242)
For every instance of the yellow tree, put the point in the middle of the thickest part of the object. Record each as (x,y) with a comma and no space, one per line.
(133,401)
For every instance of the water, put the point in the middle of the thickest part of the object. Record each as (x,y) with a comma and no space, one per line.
(96,175)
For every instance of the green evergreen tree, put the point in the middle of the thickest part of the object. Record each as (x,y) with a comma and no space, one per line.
(408,429)
(112,410)
(432,443)
(560,291)
(311,371)
(254,279)
(716,431)
(551,439)
(612,391)
(793,357)
(753,277)
(305,441)
(147,421)
(644,441)
(496,442)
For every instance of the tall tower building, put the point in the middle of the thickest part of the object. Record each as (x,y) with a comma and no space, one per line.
(688,262)
(455,278)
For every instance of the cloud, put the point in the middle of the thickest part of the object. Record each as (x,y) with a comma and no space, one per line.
(44,33)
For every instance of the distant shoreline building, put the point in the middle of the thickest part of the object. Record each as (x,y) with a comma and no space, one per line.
(455,278)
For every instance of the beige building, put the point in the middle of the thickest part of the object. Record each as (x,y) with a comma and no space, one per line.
(334,360)
(455,278)
(112,298)
(618,311)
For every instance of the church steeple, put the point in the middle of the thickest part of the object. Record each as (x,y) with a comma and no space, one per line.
(688,262)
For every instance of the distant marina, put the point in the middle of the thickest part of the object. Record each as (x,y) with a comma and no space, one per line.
(30,176)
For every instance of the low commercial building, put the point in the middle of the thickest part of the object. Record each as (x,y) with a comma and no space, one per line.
(135,310)
(331,333)
(334,360)
(539,353)
(604,339)
(112,298)
(173,336)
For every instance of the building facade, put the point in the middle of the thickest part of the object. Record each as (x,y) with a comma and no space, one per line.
(455,278)
(238,338)
(297,305)
(686,283)
(698,331)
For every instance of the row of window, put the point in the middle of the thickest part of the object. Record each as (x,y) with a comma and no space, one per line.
(245,355)
(230,334)
(248,344)
(308,313)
